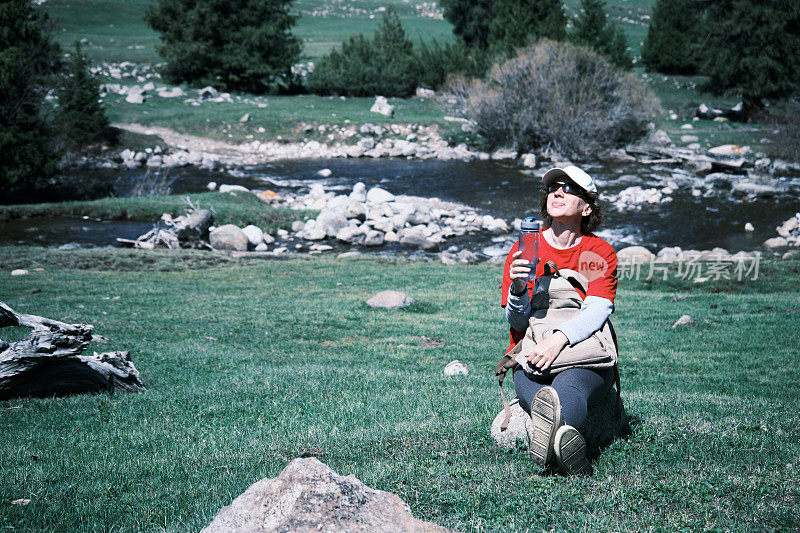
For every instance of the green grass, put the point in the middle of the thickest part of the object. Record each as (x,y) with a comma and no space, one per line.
(250,363)
(283,116)
(229,208)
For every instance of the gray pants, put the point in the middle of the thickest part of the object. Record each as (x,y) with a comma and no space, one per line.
(577,389)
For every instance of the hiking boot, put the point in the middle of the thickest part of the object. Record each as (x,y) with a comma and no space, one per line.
(570,451)
(546,418)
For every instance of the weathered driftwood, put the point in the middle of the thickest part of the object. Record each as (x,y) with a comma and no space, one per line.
(186,231)
(48,362)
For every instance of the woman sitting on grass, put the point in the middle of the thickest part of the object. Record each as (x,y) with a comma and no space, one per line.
(558,403)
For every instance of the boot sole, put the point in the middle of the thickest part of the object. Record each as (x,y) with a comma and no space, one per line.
(546,417)
(570,451)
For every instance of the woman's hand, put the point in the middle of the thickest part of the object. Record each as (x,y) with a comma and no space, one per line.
(519,267)
(545,352)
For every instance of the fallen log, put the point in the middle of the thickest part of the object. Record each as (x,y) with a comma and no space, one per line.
(48,361)
(186,231)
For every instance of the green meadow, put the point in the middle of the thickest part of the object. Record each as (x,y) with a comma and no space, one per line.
(251,362)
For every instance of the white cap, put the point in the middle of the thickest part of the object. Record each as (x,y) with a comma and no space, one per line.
(578,176)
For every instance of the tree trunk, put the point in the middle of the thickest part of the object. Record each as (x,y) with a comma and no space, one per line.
(186,231)
(48,362)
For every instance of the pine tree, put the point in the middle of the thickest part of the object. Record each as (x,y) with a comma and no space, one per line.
(28,58)
(594,29)
(231,44)
(675,37)
(82,117)
(519,22)
(470,20)
(754,49)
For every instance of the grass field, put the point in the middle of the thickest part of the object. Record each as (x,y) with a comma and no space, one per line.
(250,363)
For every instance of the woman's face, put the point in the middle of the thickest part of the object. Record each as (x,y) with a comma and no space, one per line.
(564,206)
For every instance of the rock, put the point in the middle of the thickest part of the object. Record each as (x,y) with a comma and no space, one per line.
(325,172)
(351,234)
(448,259)
(135,96)
(268,195)
(529,160)
(19,272)
(749,188)
(373,238)
(749,227)
(465,256)
(228,238)
(376,195)
(776,242)
(729,150)
(503,154)
(634,254)
(659,138)
(359,193)
(268,239)
(382,106)
(516,433)
(308,497)
(685,320)
(207,93)
(689,138)
(262,247)
(232,188)
(253,234)
(421,92)
(331,222)
(245,118)
(456,368)
(791,254)
(790,227)
(390,300)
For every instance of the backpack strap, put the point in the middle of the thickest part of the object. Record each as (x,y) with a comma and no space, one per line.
(500,370)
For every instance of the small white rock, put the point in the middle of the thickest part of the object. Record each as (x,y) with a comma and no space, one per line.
(685,320)
(749,227)
(455,368)
(325,172)
(19,272)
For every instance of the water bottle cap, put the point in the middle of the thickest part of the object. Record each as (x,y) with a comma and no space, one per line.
(529,224)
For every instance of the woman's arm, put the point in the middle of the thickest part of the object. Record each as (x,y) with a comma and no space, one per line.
(595,310)
(518,310)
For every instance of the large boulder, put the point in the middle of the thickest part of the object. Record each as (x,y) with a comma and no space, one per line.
(308,496)
(228,238)
(254,234)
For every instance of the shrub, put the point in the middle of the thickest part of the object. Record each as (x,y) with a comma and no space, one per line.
(28,58)
(436,63)
(231,44)
(81,115)
(559,96)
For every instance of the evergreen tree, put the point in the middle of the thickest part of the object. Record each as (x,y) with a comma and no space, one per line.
(385,65)
(82,117)
(28,57)
(231,44)
(518,22)
(470,20)
(754,49)
(594,29)
(675,37)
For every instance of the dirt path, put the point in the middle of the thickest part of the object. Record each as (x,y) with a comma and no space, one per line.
(186,142)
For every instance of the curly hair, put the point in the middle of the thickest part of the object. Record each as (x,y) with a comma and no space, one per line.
(589,223)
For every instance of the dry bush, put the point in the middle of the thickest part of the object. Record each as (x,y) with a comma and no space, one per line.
(558,96)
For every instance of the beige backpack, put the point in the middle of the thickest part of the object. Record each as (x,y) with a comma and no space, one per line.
(556,300)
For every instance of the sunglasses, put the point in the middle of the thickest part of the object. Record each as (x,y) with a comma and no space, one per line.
(568,188)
